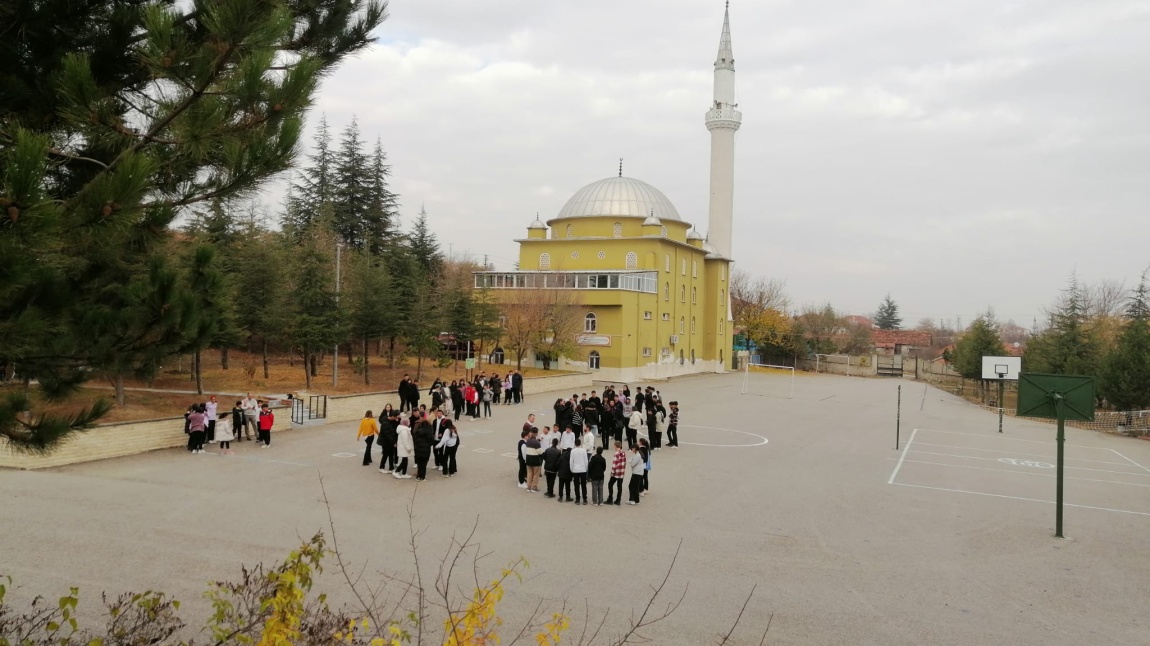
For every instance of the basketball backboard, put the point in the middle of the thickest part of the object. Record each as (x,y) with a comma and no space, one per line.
(1005,368)
(1038,394)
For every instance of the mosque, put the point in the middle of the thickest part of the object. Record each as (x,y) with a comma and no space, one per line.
(651,290)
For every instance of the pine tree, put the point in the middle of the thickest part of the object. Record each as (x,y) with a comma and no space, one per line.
(383,211)
(115,116)
(314,320)
(371,311)
(351,189)
(887,317)
(314,186)
(1125,374)
(424,247)
(980,340)
(1068,346)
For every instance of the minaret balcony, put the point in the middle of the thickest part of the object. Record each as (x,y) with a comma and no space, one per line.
(725,117)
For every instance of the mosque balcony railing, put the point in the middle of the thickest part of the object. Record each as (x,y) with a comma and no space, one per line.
(632,281)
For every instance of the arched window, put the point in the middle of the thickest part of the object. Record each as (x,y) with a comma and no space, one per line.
(663,232)
(694,295)
(590,324)
(682,325)
(682,293)
(683,265)
(692,332)
(632,260)
(722,272)
(545,260)
(694,267)
(617,230)
(722,296)
(722,325)
(666,291)
(593,360)
(667,263)
(570,231)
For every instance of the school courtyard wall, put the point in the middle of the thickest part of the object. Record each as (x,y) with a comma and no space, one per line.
(116,441)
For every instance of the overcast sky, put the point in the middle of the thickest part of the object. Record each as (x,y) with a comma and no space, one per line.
(958,155)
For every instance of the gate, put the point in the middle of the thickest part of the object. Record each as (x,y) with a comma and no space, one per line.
(314,409)
(889,365)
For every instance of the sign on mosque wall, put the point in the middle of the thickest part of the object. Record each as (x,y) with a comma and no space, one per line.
(593,339)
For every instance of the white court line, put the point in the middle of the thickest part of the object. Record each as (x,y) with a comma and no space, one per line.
(996,495)
(905,450)
(1024,473)
(1015,439)
(975,457)
(1130,461)
(483,450)
(1037,455)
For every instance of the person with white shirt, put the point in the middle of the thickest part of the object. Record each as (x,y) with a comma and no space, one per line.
(634,423)
(448,447)
(567,440)
(404,449)
(551,434)
(211,411)
(638,468)
(579,460)
(251,408)
(588,438)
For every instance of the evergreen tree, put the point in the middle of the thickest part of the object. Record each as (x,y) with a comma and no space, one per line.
(1125,378)
(314,321)
(371,311)
(424,247)
(315,185)
(351,189)
(114,116)
(260,289)
(887,317)
(1068,346)
(980,340)
(383,211)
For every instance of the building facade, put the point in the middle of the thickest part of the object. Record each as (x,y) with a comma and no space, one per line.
(652,292)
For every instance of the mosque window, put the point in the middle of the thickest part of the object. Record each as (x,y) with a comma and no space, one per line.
(663,232)
(593,360)
(683,266)
(570,231)
(646,352)
(545,261)
(667,263)
(590,323)
(682,325)
(601,255)
(694,268)
(722,272)
(722,324)
(666,291)
(575,255)
(682,293)
(694,295)
(617,230)
(692,332)
(722,296)
(632,260)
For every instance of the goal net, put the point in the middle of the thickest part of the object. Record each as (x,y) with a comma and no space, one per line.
(768,381)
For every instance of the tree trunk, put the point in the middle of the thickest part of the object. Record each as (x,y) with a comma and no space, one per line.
(250,343)
(224,358)
(419,366)
(350,354)
(379,347)
(313,358)
(199,373)
(306,373)
(118,383)
(366,372)
(391,352)
(267,372)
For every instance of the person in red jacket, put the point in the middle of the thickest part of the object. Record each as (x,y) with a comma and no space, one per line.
(267,419)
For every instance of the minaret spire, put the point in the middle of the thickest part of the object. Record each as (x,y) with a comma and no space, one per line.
(723,119)
(620,167)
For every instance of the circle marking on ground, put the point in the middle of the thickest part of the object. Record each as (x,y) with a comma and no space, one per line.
(1019,462)
(731,430)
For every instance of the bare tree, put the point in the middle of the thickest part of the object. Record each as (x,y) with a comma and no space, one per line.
(1105,298)
(543,320)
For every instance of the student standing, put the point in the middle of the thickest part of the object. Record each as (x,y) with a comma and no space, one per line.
(551,465)
(238,421)
(522,457)
(567,440)
(448,447)
(673,426)
(387,439)
(197,422)
(266,421)
(368,431)
(637,468)
(565,475)
(533,455)
(424,438)
(488,395)
(439,422)
(211,409)
(579,471)
(251,408)
(404,448)
(645,453)
(634,423)
(656,415)
(596,468)
(618,472)
(588,438)
(224,435)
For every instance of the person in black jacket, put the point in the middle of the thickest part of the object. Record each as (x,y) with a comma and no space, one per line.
(387,439)
(423,438)
(596,468)
(517,386)
(551,466)
(457,402)
(402,391)
(565,475)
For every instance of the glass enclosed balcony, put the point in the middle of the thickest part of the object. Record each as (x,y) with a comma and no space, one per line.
(632,281)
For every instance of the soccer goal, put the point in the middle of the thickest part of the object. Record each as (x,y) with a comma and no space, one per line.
(768,381)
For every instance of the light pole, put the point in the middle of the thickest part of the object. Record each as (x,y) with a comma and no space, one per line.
(335,350)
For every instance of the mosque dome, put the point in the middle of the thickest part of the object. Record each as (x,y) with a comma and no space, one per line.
(694,235)
(537,224)
(619,196)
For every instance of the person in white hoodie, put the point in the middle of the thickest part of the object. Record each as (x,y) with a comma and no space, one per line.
(404,449)
(579,460)
(224,435)
(634,423)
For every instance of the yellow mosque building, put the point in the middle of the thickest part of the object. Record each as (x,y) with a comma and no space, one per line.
(652,291)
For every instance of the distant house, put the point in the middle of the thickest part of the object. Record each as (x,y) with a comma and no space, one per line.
(899,341)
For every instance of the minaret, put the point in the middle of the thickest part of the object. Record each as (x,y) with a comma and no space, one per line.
(723,119)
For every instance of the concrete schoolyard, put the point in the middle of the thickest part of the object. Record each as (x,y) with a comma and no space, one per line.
(804,498)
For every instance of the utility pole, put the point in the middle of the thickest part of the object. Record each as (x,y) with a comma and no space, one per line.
(335,350)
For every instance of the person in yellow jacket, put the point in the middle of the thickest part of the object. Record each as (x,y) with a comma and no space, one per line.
(368,430)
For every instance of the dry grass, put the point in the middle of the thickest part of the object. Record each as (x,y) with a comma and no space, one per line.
(139,405)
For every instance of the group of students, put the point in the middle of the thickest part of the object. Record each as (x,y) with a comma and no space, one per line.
(463,397)
(616,414)
(416,436)
(576,462)
(204,423)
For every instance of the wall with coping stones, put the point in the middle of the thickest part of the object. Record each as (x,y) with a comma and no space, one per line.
(115,441)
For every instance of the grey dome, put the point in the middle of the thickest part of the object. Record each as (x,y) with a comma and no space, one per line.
(619,196)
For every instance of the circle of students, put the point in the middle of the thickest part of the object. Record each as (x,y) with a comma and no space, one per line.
(206,424)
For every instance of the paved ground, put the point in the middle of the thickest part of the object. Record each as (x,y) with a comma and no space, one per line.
(848,541)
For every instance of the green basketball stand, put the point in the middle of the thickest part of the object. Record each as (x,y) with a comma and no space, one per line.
(1059,397)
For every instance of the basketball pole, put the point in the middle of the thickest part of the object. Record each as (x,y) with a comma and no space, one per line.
(898,417)
(1058,403)
(1001,388)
